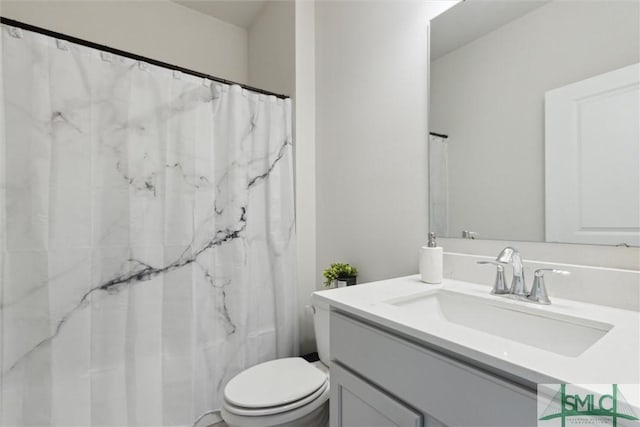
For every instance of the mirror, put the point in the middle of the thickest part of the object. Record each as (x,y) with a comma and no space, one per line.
(534,119)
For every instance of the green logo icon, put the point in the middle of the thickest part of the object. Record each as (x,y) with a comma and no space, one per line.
(612,406)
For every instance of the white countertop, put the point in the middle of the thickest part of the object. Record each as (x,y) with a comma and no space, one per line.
(613,359)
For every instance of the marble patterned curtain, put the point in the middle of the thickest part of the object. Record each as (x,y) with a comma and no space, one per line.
(147,235)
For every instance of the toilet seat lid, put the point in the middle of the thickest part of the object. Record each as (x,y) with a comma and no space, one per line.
(274,383)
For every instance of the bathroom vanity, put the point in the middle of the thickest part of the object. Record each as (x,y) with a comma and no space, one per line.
(411,354)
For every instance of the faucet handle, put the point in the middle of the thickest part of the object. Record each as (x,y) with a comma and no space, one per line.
(539,290)
(500,285)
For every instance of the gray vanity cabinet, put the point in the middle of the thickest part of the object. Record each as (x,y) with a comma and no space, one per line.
(380,379)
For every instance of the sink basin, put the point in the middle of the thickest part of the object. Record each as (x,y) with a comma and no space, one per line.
(561,334)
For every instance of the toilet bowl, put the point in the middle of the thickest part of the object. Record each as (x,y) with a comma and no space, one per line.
(289,392)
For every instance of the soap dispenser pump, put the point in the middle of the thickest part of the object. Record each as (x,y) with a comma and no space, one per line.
(431,261)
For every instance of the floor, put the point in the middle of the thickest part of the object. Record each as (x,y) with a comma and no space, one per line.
(311,357)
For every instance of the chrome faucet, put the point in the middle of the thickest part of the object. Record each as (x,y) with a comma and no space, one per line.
(538,294)
(511,256)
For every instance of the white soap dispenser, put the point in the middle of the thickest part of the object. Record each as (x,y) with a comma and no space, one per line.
(431,261)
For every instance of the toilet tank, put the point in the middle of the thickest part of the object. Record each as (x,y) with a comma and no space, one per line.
(321,327)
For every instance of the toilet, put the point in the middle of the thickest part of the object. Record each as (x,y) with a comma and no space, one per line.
(289,392)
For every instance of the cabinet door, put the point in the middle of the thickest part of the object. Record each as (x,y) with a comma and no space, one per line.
(356,403)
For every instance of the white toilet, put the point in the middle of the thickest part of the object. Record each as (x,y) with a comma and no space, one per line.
(288,392)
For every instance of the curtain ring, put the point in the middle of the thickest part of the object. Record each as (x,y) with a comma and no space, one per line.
(16,32)
(62,44)
(106,56)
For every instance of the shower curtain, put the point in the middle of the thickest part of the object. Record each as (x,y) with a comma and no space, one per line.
(439,185)
(147,235)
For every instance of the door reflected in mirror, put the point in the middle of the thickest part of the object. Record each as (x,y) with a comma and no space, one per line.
(537,107)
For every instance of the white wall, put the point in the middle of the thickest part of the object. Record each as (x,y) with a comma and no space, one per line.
(272,48)
(489,97)
(282,59)
(305,140)
(156,29)
(371,126)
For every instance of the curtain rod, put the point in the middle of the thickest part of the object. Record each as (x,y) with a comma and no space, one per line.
(130,55)
(441,135)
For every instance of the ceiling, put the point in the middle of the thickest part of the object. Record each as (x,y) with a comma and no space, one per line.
(456,27)
(237,12)
(469,20)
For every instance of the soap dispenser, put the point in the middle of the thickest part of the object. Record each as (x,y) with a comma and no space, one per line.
(431,261)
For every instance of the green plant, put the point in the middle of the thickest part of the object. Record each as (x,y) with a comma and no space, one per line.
(338,271)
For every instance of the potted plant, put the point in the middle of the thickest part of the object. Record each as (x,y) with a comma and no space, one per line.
(340,273)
